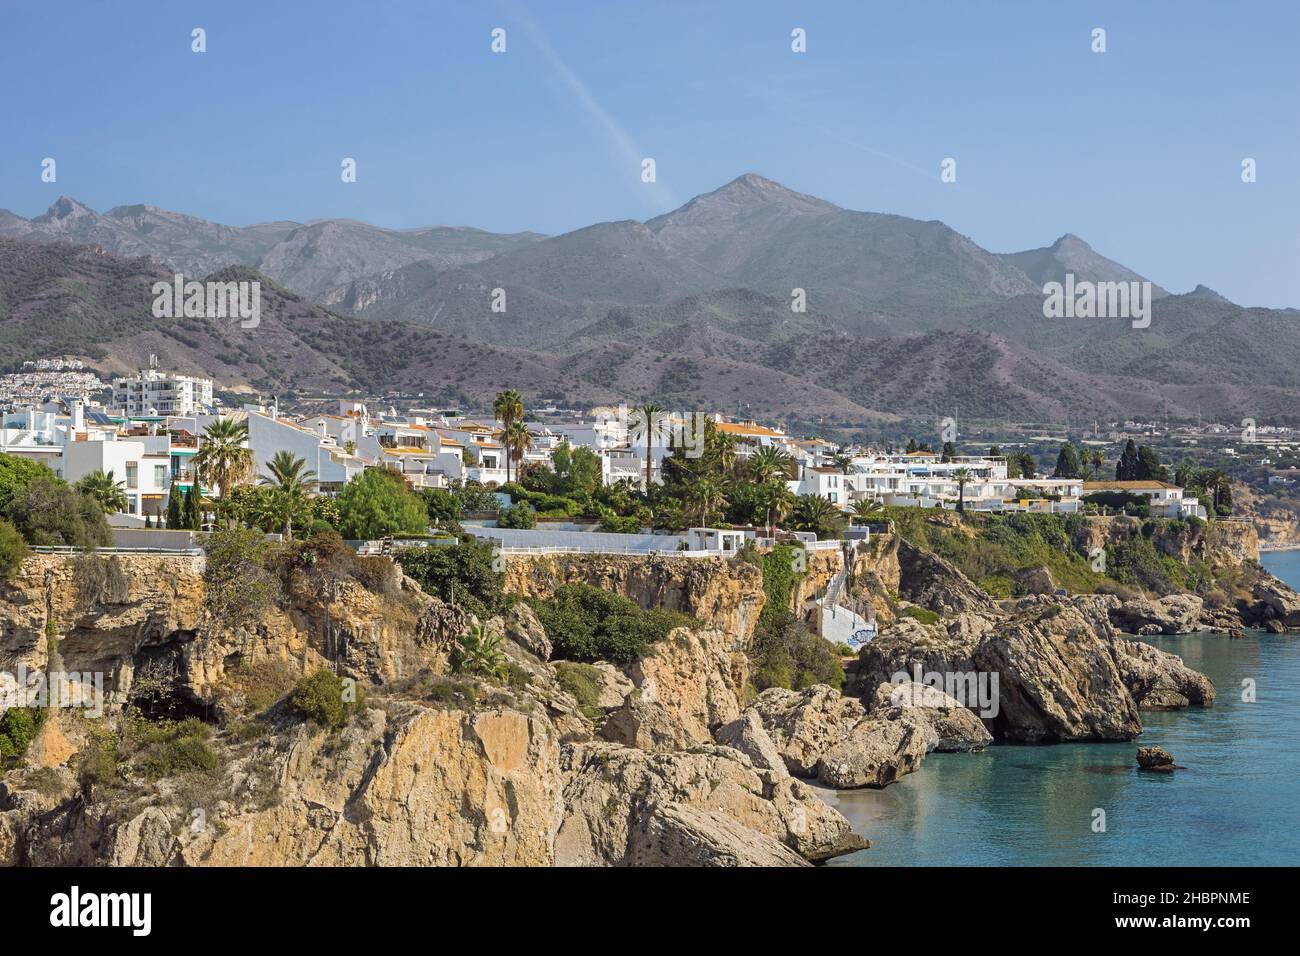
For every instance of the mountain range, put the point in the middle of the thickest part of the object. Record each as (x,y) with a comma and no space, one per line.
(902,317)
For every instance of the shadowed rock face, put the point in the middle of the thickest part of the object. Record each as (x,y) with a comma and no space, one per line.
(930,581)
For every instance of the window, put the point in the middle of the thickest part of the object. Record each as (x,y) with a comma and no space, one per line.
(133,475)
(159,476)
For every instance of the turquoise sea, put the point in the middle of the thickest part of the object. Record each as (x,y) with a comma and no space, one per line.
(1235,804)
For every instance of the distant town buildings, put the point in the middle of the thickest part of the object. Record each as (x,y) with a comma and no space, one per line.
(151,392)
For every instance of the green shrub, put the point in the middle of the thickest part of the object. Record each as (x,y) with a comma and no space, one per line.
(521,515)
(466,572)
(177,747)
(785,653)
(583,682)
(18,727)
(13,548)
(586,623)
(922,614)
(377,503)
(478,652)
(320,697)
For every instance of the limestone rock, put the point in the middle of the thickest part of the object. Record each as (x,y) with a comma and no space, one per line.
(614,685)
(804,725)
(675,834)
(1034,581)
(747,734)
(1156,758)
(956,727)
(1283,602)
(1174,614)
(877,751)
(1159,680)
(932,582)
(520,625)
(609,790)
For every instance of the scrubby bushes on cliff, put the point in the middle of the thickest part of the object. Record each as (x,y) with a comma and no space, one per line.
(327,699)
(466,572)
(585,623)
(784,652)
(178,747)
(18,727)
(50,512)
(478,653)
(238,587)
(13,548)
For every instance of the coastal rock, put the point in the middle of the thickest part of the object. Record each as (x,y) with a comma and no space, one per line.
(1057,677)
(876,752)
(611,790)
(1281,601)
(1173,614)
(1158,680)
(613,685)
(929,580)
(956,728)
(674,834)
(1156,758)
(747,734)
(803,725)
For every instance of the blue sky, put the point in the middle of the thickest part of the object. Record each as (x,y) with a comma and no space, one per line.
(1137,150)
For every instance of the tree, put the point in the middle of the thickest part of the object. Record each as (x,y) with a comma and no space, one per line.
(478,652)
(814,513)
(949,452)
(706,496)
(101,486)
(867,510)
(292,483)
(443,508)
(1026,465)
(780,503)
(648,421)
(1093,462)
(13,548)
(1149,467)
(517,440)
(16,475)
(509,409)
(962,476)
(192,509)
(377,503)
(50,512)
(770,464)
(1067,462)
(174,520)
(843,462)
(1127,467)
(223,459)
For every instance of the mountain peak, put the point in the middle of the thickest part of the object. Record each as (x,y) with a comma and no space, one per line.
(65,207)
(1205,292)
(1071,241)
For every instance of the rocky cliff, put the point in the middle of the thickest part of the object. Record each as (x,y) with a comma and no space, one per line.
(725,594)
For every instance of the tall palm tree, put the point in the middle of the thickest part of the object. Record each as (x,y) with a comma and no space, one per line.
(962,476)
(769,464)
(508,408)
(293,481)
(517,441)
(867,509)
(110,494)
(223,457)
(843,462)
(1093,462)
(725,444)
(780,502)
(648,421)
(706,495)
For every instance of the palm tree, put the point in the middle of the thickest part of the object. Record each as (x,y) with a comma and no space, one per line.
(813,513)
(223,456)
(292,481)
(706,494)
(1093,462)
(770,463)
(843,462)
(110,494)
(508,408)
(867,509)
(780,502)
(962,476)
(648,421)
(516,440)
(725,443)
(478,652)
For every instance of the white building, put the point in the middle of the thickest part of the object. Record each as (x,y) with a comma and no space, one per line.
(151,392)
